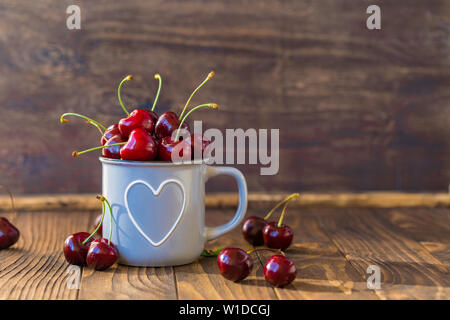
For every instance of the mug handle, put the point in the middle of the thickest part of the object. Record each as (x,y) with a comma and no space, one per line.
(212,233)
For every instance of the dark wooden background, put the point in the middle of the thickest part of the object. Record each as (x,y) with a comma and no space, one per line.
(357,109)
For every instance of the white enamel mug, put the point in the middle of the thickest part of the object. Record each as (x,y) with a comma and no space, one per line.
(158,210)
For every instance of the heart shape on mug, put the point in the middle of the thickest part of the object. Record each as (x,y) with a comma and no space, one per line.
(156,193)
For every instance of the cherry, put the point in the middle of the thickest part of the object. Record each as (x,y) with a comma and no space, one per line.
(9,234)
(110,132)
(153,116)
(76,248)
(140,146)
(198,144)
(80,248)
(276,236)
(234,264)
(252,230)
(169,146)
(167,123)
(279,271)
(114,151)
(139,118)
(102,254)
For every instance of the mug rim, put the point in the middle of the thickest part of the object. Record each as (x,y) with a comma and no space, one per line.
(150,163)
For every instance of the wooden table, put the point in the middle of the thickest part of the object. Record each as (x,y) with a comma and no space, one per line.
(333,248)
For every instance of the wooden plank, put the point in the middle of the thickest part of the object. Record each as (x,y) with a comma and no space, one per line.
(322,271)
(358,109)
(202,280)
(408,270)
(88,202)
(430,227)
(123,282)
(35,268)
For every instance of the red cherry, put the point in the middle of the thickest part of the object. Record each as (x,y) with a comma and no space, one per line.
(114,151)
(252,230)
(153,115)
(140,146)
(9,234)
(167,123)
(166,149)
(139,118)
(101,255)
(277,237)
(234,264)
(74,249)
(109,133)
(198,143)
(279,271)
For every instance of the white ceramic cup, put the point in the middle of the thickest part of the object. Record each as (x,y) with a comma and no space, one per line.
(158,210)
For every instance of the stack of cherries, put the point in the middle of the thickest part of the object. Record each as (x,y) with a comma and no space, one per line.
(9,234)
(236,264)
(82,248)
(143,136)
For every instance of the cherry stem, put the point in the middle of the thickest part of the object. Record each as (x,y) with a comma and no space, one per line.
(101,222)
(127,78)
(77,153)
(111,223)
(206,105)
(210,75)
(284,209)
(98,125)
(157,76)
(288,198)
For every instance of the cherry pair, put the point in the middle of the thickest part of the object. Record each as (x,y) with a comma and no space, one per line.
(257,231)
(80,248)
(143,136)
(9,234)
(235,264)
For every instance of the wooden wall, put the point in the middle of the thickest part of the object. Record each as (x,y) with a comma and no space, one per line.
(357,109)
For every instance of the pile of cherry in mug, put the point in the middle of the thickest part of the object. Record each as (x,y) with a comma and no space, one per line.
(144,136)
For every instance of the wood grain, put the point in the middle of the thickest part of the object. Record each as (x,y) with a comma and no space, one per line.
(322,271)
(358,109)
(123,282)
(256,201)
(332,249)
(35,268)
(408,270)
(202,280)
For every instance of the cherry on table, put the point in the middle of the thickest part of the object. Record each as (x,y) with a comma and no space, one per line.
(252,230)
(234,264)
(9,234)
(74,249)
(277,237)
(101,254)
(141,146)
(279,270)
